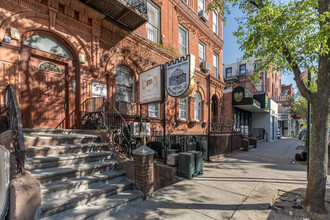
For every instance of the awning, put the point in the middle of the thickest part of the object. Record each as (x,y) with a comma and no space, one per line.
(250,108)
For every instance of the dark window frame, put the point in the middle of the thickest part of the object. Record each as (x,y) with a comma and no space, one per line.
(231,72)
(240,69)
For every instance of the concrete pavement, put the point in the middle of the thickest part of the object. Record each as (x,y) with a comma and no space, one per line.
(239,186)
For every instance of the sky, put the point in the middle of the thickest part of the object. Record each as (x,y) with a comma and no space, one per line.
(231,51)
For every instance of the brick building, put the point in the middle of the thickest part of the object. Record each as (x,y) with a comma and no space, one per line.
(287,124)
(58,53)
(258,115)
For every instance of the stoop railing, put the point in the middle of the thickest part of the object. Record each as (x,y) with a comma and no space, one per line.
(15,122)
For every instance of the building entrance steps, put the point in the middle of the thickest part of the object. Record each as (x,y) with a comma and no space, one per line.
(78,175)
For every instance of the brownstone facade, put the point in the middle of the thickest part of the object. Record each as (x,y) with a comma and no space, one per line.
(98,46)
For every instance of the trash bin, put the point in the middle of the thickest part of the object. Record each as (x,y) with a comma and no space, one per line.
(198,162)
(191,143)
(186,165)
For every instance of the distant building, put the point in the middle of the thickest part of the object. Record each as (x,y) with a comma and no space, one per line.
(288,126)
(257,114)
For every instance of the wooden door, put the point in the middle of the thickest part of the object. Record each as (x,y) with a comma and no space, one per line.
(48,89)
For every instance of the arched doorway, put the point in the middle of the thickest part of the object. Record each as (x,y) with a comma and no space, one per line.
(48,82)
(214,110)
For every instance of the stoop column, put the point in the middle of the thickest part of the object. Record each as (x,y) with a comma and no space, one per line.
(144,170)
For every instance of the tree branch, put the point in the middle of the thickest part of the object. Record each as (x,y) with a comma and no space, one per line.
(297,73)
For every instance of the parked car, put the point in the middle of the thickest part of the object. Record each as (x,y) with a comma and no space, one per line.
(302,133)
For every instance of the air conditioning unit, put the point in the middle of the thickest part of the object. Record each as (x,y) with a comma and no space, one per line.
(134,128)
(203,15)
(205,66)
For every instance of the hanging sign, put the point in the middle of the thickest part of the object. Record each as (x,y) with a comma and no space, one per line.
(180,76)
(151,85)
(99,89)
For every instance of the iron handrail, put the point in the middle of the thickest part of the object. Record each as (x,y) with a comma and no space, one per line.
(15,120)
(101,107)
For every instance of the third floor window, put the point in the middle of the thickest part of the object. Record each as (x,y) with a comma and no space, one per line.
(153,24)
(215,23)
(242,69)
(228,72)
(183,41)
(201,5)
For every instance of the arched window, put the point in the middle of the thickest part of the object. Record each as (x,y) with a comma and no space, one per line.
(48,44)
(124,85)
(183,109)
(198,106)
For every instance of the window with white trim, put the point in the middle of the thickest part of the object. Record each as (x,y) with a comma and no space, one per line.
(153,24)
(183,41)
(154,110)
(216,65)
(124,85)
(198,106)
(216,22)
(201,52)
(183,108)
(201,5)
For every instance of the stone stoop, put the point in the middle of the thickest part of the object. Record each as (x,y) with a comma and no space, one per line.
(79,177)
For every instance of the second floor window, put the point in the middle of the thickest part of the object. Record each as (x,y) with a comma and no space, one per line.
(183,41)
(153,24)
(183,109)
(153,110)
(215,23)
(216,65)
(201,5)
(228,72)
(198,106)
(201,52)
(242,69)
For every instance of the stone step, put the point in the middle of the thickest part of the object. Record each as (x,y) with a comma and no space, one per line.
(52,207)
(33,151)
(63,173)
(45,139)
(61,188)
(52,130)
(41,162)
(102,208)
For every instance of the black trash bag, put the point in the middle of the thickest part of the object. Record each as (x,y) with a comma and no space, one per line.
(302,156)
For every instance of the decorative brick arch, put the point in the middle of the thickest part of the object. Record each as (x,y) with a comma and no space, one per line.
(217,94)
(200,90)
(119,59)
(29,22)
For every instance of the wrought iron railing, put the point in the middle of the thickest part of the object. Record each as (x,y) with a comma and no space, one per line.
(15,121)
(99,113)
(106,114)
(140,5)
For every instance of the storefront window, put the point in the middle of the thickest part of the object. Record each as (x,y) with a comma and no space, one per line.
(198,104)
(124,85)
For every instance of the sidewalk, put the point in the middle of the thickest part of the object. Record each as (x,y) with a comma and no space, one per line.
(241,186)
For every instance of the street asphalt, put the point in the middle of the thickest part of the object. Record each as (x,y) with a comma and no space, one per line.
(238,186)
